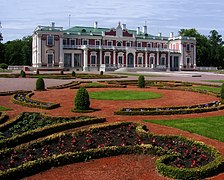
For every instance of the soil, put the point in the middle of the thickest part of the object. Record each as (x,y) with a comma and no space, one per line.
(120,167)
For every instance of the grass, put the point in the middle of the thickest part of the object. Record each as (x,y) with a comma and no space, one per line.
(211,127)
(123,95)
(208,88)
(2,108)
(216,81)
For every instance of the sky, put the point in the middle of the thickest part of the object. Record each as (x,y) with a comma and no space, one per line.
(19,18)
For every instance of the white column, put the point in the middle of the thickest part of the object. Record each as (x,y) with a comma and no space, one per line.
(101,53)
(146,59)
(73,60)
(114,57)
(195,55)
(61,63)
(39,51)
(157,59)
(85,60)
(181,55)
(168,61)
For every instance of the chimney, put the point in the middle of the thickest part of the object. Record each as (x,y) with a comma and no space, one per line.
(160,34)
(171,35)
(138,30)
(53,24)
(144,29)
(95,25)
(123,26)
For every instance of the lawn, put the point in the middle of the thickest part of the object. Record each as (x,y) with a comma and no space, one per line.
(2,108)
(216,81)
(123,95)
(208,88)
(211,127)
(146,75)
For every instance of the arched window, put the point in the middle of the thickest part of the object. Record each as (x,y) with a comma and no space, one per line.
(119,44)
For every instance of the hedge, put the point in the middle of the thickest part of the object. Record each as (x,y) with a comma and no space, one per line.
(3,117)
(67,85)
(6,93)
(45,105)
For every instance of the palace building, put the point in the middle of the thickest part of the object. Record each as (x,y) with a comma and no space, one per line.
(105,49)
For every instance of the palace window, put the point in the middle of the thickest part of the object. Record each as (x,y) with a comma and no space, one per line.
(107,60)
(109,43)
(149,45)
(93,59)
(128,44)
(64,41)
(85,42)
(119,44)
(72,42)
(50,40)
(188,60)
(97,43)
(77,60)
(188,47)
(151,60)
(120,60)
(139,60)
(139,44)
(162,61)
(50,59)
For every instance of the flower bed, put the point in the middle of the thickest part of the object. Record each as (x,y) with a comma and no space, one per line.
(198,160)
(29,126)
(200,108)
(25,100)
(68,85)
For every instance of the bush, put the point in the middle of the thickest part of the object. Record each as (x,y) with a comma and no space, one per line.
(22,73)
(101,73)
(37,72)
(40,86)
(3,66)
(62,72)
(73,73)
(82,101)
(141,81)
(222,93)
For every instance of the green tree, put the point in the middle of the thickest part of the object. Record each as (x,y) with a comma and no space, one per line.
(222,93)
(82,101)
(2,53)
(141,81)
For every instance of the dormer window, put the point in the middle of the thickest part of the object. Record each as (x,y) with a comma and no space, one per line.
(50,40)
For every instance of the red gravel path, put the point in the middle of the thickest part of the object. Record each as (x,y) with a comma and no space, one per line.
(121,167)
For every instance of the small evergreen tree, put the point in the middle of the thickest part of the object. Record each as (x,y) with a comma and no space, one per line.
(82,101)
(40,85)
(62,72)
(222,93)
(22,73)
(101,73)
(73,73)
(141,81)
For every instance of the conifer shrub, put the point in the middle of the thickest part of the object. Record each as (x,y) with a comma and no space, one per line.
(73,73)
(40,85)
(37,72)
(141,81)
(101,73)
(82,101)
(62,72)
(22,73)
(222,93)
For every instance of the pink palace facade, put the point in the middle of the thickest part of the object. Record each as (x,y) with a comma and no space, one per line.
(95,49)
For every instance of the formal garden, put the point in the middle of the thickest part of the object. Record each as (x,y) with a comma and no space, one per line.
(180,124)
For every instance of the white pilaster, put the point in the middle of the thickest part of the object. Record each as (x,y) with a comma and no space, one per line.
(85,63)
(157,59)
(195,55)
(73,60)
(182,55)
(101,53)
(168,68)
(61,62)
(114,57)
(146,59)
(39,51)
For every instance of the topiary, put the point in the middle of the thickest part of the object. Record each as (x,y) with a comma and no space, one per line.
(73,73)
(37,72)
(22,73)
(40,85)
(141,81)
(101,73)
(62,72)
(3,66)
(82,101)
(222,93)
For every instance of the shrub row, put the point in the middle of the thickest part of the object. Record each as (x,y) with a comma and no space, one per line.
(35,166)
(27,101)
(3,117)
(6,93)
(67,85)
(42,132)
(167,112)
